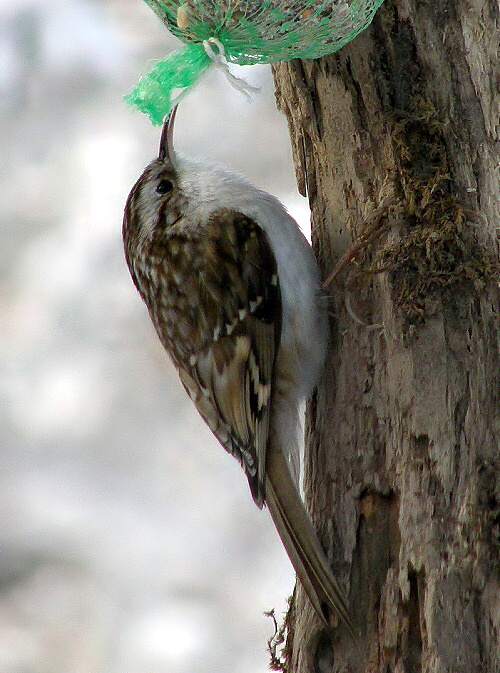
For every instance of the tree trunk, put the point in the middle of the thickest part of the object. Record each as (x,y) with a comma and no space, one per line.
(398,130)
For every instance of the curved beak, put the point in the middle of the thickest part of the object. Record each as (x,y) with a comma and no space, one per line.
(166,152)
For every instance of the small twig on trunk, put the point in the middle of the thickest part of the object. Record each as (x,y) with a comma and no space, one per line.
(375,227)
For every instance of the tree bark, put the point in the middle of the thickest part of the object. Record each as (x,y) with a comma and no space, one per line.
(400,129)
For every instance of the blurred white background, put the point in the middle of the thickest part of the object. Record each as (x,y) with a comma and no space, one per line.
(129,542)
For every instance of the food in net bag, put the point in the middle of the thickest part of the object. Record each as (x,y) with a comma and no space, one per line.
(243,32)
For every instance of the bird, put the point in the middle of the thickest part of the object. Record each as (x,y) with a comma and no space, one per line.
(233,291)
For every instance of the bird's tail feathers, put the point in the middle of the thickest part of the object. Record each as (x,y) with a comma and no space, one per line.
(301,542)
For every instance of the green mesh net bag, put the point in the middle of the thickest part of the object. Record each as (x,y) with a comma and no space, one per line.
(245,32)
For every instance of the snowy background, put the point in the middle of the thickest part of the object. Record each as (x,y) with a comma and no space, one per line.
(129,542)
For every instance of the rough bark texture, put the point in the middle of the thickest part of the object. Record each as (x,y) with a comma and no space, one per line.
(401,471)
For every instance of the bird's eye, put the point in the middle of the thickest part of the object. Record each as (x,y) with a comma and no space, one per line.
(164,186)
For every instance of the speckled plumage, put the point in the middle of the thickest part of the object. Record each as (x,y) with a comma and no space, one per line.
(233,291)
(213,295)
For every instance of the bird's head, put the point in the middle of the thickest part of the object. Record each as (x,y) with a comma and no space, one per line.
(173,190)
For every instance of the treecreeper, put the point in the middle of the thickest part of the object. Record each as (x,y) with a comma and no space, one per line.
(233,291)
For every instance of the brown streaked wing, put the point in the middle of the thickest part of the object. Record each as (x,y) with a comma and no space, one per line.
(230,380)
